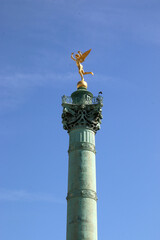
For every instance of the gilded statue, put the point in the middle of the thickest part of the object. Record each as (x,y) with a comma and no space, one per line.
(79,58)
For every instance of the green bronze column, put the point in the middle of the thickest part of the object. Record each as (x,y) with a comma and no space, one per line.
(81,118)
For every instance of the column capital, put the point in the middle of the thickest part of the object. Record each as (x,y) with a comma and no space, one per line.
(82,110)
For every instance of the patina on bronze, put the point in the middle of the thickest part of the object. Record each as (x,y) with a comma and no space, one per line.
(81,117)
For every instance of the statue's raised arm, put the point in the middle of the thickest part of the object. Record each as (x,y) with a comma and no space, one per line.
(73,57)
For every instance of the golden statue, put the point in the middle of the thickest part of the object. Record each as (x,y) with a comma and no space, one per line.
(79,58)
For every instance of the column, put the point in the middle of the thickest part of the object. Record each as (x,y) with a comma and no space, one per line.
(81,118)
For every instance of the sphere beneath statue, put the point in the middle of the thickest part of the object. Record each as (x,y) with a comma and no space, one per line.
(82,83)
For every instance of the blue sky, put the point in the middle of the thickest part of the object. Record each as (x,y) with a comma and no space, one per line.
(36,41)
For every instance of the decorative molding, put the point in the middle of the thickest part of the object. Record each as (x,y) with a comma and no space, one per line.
(88,116)
(82,146)
(83,193)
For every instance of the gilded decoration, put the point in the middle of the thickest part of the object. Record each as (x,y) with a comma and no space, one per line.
(79,58)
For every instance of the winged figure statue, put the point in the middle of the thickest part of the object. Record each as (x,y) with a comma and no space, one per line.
(79,58)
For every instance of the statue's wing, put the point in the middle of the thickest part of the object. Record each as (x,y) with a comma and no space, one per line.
(83,56)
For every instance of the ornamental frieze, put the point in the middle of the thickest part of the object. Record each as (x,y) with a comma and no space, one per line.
(87,115)
(84,193)
(82,146)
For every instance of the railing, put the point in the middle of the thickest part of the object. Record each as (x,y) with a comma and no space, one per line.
(66,99)
(94,100)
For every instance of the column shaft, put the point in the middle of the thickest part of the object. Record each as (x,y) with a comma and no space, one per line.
(81,198)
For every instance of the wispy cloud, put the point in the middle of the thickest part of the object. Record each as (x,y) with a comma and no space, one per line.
(14,88)
(21,195)
(22,80)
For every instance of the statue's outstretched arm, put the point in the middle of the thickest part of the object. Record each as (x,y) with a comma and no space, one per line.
(73,57)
